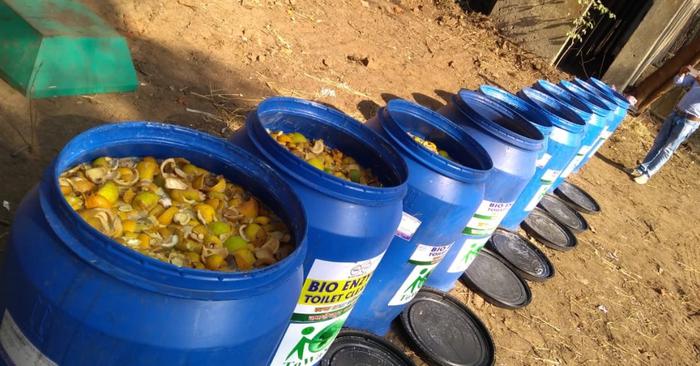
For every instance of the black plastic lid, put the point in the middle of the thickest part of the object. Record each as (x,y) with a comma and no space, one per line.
(564,214)
(541,226)
(577,198)
(491,277)
(525,259)
(445,332)
(355,347)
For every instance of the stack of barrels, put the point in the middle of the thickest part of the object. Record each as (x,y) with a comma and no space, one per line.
(367,257)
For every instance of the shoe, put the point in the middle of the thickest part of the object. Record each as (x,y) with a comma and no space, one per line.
(642,179)
(636,173)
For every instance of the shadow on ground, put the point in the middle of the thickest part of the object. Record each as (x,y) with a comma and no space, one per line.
(428,101)
(24,164)
(619,166)
(444,95)
(368,108)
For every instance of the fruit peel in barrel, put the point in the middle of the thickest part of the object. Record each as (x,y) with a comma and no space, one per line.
(322,157)
(176,212)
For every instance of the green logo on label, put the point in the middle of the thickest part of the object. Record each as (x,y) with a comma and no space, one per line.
(471,254)
(416,285)
(320,342)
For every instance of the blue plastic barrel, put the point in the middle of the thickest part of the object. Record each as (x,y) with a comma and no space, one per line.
(513,145)
(606,110)
(527,111)
(565,139)
(350,224)
(592,92)
(613,99)
(595,122)
(620,104)
(609,99)
(612,95)
(72,296)
(442,196)
(557,154)
(615,96)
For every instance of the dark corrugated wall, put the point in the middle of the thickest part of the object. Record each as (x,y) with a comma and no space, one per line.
(593,56)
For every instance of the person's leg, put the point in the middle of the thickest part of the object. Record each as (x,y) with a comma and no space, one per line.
(660,140)
(679,133)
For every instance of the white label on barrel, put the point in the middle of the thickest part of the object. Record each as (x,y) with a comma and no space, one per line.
(17,347)
(487,218)
(559,135)
(601,140)
(467,253)
(576,161)
(541,162)
(408,226)
(329,293)
(424,259)
(545,183)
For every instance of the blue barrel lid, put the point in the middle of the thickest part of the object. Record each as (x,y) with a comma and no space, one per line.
(591,96)
(566,98)
(498,120)
(311,118)
(526,110)
(560,115)
(617,97)
(164,140)
(400,118)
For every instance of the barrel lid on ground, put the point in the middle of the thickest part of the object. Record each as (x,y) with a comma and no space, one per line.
(355,347)
(563,213)
(545,229)
(577,198)
(524,258)
(491,277)
(445,332)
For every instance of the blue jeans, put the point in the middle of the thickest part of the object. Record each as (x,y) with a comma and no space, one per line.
(675,130)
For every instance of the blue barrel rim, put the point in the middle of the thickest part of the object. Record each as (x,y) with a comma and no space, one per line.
(308,175)
(149,273)
(526,110)
(456,170)
(594,104)
(563,116)
(598,93)
(618,97)
(534,141)
(568,99)
(589,95)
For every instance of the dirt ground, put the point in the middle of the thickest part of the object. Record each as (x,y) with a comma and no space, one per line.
(629,294)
